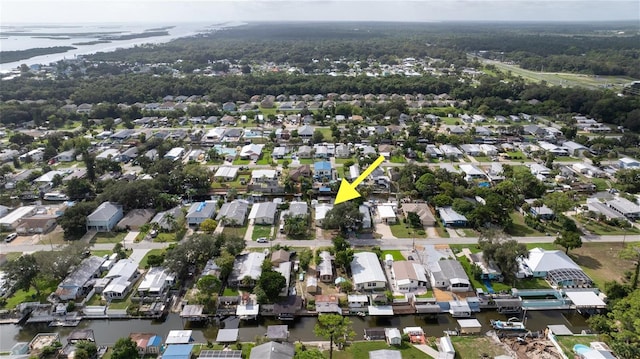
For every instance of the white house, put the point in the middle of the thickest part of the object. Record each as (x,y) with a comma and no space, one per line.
(122,275)
(251,151)
(12,220)
(66,156)
(226,173)
(409,276)
(321,213)
(264,213)
(627,162)
(156,282)
(367,272)
(175,153)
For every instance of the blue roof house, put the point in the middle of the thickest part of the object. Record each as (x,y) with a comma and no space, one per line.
(322,170)
(451,218)
(178,351)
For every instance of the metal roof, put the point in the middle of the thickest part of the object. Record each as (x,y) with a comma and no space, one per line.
(366,267)
(227,335)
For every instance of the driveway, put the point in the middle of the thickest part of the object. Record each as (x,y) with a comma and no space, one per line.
(249,233)
(137,254)
(384,230)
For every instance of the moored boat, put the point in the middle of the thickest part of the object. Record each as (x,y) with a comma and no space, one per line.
(511,324)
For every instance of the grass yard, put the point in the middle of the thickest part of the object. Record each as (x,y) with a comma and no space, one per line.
(145,259)
(342,161)
(101,252)
(398,159)
(109,237)
(601,228)
(362,349)
(568,341)
(95,300)
(235,231)
(121,304)
(475,347)
(547,246)
(266,158)
(230,184)
(565,159)
(397,256)
(261,231)
(517,155)
(306,161)
(520,229)
(399,230)
(165,237)
(451,121)
(601,184)
(238,162)
(601,262)
(230,292)
(21,296)
(326,132)
(12,256)
(442,232)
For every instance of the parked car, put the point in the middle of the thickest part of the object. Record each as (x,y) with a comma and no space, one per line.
(263,240)
(11,237)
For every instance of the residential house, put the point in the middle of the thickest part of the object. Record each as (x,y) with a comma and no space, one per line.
(325,267)
(450,275)
(627,162)
(233,213)
(147,343)
(228,106)
(284,269)
(625,207)
(264,213)
(409,276)
(449,151)
(387,213)
(129,154)
(246,265)
(472,149)
(280,256)
(167,220)
(175,153)
(357,303)
(156,282)
(272,350)
(542,212)
(264,176)
(574,148)
(279,152)
(367,222)
(322,170)
(251,152)
(305,151)
(422,210)
(296,174)
(556,267)
(14,218)
(105,217)
(81,280)
(200,211)
(320,151)
(178,351)
(321,210)
(296,209)
(122,277)
(66,156)
(84,108)
(472,172)
(538,169)
(226,173)
(305,132)
(328,304)
(342,151)
(38,224)
(367,272)
(451,218)
(594,204)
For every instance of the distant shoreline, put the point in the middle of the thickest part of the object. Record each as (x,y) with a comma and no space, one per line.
(17,55)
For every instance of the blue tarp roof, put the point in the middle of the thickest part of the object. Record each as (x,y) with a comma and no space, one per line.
(178,351)
(322,166)
(155,341)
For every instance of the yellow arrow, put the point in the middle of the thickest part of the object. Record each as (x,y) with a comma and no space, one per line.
(348,190)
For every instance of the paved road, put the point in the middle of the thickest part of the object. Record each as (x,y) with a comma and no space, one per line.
(384,243)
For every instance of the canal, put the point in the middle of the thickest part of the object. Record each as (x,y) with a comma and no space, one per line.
(108,331)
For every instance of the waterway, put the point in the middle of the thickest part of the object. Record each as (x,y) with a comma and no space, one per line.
(108,331)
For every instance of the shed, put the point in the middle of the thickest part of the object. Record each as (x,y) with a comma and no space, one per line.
(388,259)
(469,326)
(446,349)
(312,285)
(227,335)
(393,336)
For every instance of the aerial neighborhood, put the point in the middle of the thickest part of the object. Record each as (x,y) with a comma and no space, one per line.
(222,218)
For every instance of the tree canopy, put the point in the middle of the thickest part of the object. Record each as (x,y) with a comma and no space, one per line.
(334,327)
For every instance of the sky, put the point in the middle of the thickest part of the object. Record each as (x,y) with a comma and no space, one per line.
(215,11)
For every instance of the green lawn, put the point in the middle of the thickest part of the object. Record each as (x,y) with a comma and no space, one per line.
(362,349)
(21,296)
(601,228)
(165,237)
(100,252)
(326,132)
(306,161)
(547,246)
(95,300)
(231,184)
(519,228)
(565,159)
(230,292)
(568,341)
(397,256)
(451,121)
(399,230)
(266,158)
(12,256)
(600,183)
(109,237)
(517,155)
(121,304)
(398,159)
(442,232)
(235,231)
(261,231)
(143,262)
(475,347)
(238,162)
(343,160)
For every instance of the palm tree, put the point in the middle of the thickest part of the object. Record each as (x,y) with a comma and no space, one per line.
(171,221)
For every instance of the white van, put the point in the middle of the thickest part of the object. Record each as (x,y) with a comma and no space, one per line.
(282,228)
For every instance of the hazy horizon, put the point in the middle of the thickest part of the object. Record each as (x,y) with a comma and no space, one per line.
(68,12)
